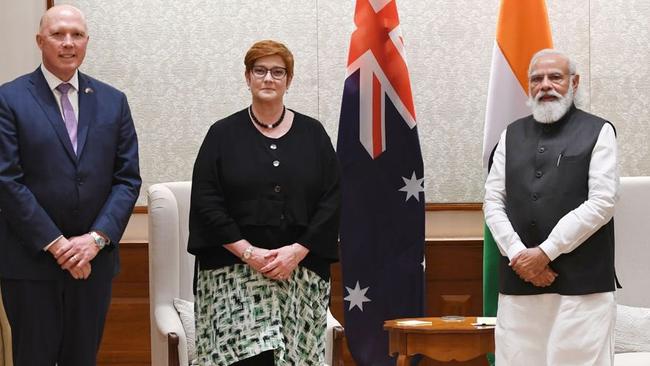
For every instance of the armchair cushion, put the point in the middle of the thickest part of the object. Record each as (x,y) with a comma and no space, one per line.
(631,331)
(185,311)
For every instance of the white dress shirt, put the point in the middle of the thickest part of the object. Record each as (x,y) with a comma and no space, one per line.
(577,225)
(73,93)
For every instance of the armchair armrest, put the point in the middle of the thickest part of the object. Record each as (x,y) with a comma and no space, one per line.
(172,349)
(337,346)
(632,359)
(329,337)
(170,327)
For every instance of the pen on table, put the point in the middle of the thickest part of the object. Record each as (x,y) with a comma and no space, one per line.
(559,157)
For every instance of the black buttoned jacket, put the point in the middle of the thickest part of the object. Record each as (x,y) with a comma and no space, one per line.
(271,192)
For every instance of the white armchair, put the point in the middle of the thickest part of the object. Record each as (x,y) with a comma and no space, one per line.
(631,224)
(171,270)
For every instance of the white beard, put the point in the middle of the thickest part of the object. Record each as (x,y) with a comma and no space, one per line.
(549,112)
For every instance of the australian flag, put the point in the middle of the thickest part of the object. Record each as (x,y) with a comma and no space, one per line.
(382,227)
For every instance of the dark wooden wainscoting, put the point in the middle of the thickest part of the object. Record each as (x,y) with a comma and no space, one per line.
(453,279)
(126,335)
(454,282)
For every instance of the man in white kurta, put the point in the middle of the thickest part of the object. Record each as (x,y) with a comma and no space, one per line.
(549,204)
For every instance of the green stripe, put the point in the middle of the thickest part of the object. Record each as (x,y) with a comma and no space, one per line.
(491,257)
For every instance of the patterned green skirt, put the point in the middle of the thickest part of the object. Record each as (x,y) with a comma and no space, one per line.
(240,313)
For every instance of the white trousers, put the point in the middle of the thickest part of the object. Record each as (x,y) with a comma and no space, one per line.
(555,330)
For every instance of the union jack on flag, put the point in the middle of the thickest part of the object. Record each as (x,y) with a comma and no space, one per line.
(377,52)
(382,222)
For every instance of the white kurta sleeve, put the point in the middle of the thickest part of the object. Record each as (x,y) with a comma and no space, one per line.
(582,222)
(494,205)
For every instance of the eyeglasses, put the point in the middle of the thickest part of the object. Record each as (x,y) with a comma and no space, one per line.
(278,73)
(555,78)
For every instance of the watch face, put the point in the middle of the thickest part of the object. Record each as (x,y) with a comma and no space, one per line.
(99,240)
(247,253)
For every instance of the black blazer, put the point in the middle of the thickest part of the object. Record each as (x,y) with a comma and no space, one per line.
(272,192)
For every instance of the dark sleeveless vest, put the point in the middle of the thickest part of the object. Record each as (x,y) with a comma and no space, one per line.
(547,171)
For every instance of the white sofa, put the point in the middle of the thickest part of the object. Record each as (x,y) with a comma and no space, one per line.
(171,270)
(632,227)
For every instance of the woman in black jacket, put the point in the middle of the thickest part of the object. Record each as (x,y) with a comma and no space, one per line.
(264,224)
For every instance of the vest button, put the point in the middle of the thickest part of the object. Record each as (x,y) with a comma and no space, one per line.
(277,189)
(541,149)
(538,174)
(533,223)
(535,196)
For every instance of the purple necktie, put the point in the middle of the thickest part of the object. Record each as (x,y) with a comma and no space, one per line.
(68,114)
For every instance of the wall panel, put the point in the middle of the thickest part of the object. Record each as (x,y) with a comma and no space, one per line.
(181,66)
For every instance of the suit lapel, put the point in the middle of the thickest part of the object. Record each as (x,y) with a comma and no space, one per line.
(44,97)
(87,107)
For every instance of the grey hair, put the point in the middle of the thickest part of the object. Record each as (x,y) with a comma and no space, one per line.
(550,51)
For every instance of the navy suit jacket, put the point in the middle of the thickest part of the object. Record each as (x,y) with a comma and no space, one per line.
(46,190)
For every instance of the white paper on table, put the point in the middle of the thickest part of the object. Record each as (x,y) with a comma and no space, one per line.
(413,322)
(485,321)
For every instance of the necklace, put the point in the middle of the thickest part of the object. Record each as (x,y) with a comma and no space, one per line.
(271,126)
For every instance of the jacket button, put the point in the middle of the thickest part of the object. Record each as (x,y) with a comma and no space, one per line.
(273,146)
(535,196)
(276,163)
(281,216)
(533,223)
(538,174)
(277,189)
(541,149)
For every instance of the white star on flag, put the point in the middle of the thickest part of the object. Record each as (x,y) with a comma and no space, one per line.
(412,187)
(357,296)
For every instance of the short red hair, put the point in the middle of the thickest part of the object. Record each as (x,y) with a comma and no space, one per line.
(269,47)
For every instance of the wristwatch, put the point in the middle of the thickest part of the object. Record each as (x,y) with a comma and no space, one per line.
(100,241)
(246,255)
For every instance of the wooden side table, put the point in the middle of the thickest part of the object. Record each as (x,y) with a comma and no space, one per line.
(441,340)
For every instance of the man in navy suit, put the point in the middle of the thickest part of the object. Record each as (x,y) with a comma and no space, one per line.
(69,178)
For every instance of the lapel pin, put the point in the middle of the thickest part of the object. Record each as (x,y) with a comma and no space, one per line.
(89,90)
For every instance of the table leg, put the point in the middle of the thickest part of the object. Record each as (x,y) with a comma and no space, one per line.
(403,360)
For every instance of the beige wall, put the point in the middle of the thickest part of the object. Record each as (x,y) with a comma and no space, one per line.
(180,63)
(18,26)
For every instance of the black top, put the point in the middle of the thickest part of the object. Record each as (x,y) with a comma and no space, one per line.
(547,174)
(271,192)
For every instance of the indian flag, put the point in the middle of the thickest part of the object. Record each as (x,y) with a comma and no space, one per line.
(522,30)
